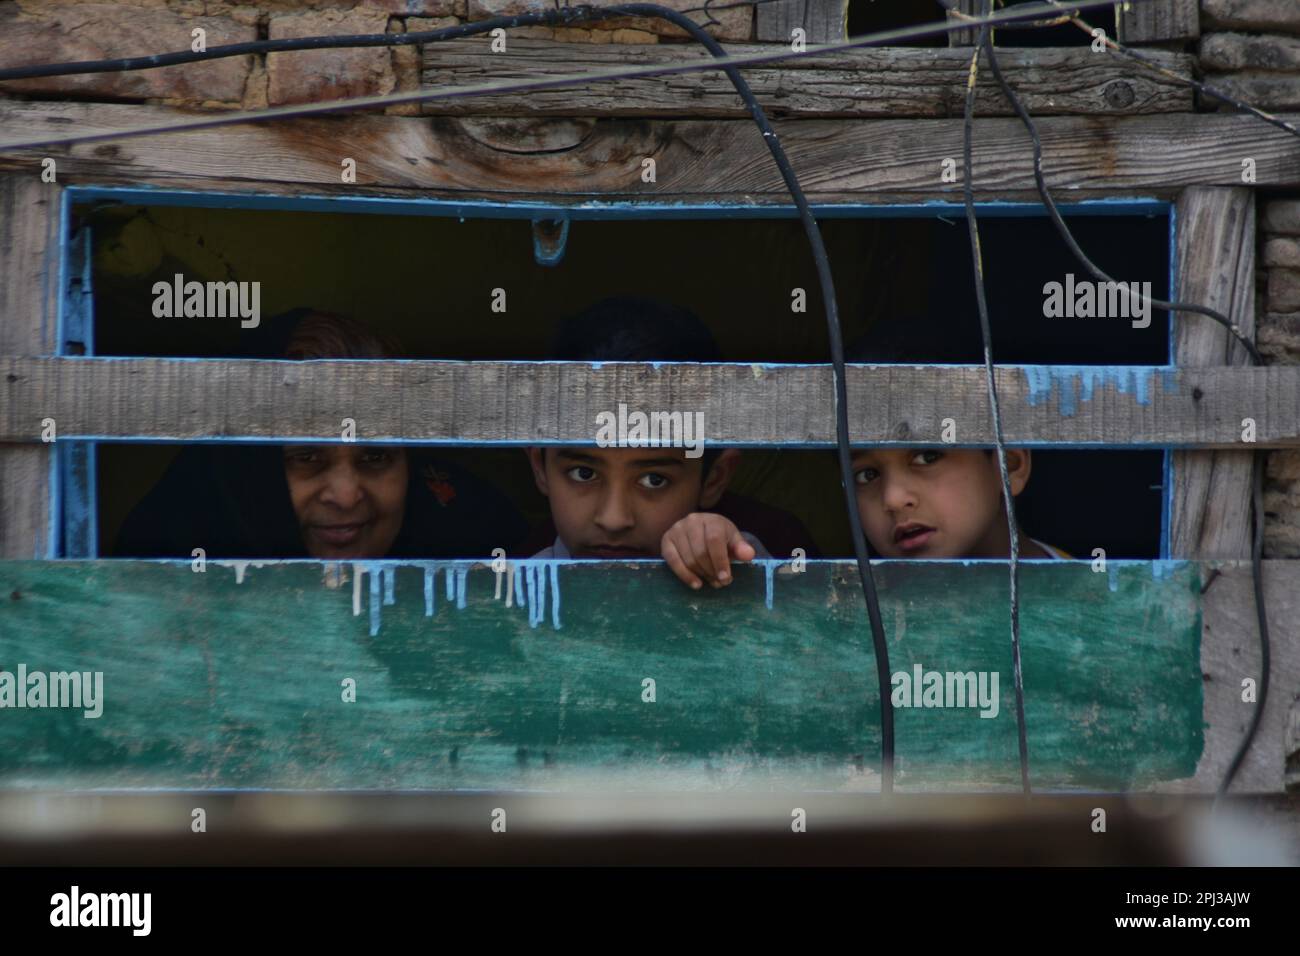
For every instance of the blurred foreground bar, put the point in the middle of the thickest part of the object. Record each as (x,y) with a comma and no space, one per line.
(278,828)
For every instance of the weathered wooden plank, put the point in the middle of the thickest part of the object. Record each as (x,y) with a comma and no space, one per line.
(1210,517)
(29,290)
(234,677)
(714,161)
(890,83)
(557,402)
(1154,21)
(1230,655)
(822,21)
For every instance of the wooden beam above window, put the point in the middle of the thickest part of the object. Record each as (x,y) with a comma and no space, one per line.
(893,82)
(716,161)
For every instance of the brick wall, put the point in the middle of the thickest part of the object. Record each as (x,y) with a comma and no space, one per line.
(1278,314)
(1250,49)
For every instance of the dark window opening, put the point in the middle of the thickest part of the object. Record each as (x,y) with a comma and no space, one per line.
(428,282)
(872,16)
(1065,34)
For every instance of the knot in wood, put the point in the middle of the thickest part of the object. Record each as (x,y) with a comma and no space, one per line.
(1120,94)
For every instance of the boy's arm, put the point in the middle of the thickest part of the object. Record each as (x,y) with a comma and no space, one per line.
(701,546)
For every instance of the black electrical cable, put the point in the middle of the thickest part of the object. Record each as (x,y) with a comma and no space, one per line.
(981,299)
(830,303)
(1261,613)
(216,120)
(826,281)
(1257,460)
(557,17)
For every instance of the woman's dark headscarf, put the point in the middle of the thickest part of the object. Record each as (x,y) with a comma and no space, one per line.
(233,500)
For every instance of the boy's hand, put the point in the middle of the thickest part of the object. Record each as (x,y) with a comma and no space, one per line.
(700,548)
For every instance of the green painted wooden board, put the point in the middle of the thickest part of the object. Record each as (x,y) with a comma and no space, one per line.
(210,681)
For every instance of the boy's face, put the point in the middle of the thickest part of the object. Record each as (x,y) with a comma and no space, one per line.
(936,503)
(618,502)
(349,499)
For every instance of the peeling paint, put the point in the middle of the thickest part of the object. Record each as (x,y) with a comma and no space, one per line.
(536,595)
(555,594)
(375,611)
(1163,570)
(1066,379)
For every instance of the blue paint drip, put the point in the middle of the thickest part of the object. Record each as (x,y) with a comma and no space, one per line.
(1040,384)
(390,585)
(1112,573)
(461,575)
(769,569)
(374,572)
(429,574)
(555,594)
(526,593)
(536,595)
(1126,379)
(1163,570)
(1066,401)
(451,584)
(518,572)
(539,612)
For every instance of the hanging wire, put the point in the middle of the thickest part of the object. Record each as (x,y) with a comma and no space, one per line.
(981,299)
(560,17)
(831,305)
(1258,459)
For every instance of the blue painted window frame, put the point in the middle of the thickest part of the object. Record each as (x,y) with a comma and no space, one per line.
(74,521)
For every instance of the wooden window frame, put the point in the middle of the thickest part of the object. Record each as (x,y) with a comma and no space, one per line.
(74,514)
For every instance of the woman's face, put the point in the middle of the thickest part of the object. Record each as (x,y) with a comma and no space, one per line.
(349,500)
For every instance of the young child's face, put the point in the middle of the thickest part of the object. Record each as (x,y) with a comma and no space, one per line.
(618,502)
(349,500)
(935,503)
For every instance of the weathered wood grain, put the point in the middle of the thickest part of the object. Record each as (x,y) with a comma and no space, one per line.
(889,83)
(1230,655)
(234,678)
(712,161)
(1211,514)
(29,290)
(1154,21)
(823,21)
(555,402)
